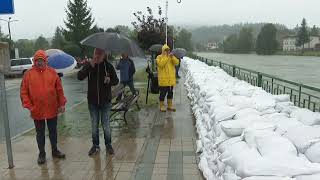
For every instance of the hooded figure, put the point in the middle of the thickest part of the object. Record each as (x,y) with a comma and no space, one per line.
(166,63)
(42,94)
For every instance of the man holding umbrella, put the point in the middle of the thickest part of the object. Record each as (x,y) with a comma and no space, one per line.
(166,63)
(101,76)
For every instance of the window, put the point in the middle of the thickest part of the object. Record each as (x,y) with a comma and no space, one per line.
(15,63)
(26,61)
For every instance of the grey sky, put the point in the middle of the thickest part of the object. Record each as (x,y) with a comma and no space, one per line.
(41,17)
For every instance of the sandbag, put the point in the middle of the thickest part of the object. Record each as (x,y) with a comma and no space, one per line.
(308,177)
(230,176)
(313,153)
(246,112)
(268,178)
(224,113)
(225,145)
(282,98)
(306,116)
(240,102)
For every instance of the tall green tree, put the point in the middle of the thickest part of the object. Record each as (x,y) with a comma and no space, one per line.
(314,31)
(150,29)
(79,22)
(303,34)
(230,44)
(41,43)
(58,41)
(184,40)
(26,47)
(245,40)
(267,43)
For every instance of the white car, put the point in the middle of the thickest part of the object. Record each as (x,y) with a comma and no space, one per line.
(20,66)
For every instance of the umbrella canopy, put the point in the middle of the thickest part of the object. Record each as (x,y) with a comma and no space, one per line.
(114,43)
(62,62)
(50,52)
(179,52)
(156,48)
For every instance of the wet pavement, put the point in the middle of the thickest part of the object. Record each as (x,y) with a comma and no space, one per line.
(154,146)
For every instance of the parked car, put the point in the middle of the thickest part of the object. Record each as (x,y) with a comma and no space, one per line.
(20,66)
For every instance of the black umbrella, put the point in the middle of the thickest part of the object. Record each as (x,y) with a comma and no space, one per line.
(113,43)
(156,48)
(179,52)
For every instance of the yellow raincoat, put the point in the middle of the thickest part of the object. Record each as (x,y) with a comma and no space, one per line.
(166,68)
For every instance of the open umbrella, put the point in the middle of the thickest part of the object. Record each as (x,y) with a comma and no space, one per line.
(50,52)
(179,52)
(62,62)
(155,48)
(114,43)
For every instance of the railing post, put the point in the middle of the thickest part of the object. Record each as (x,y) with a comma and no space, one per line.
(220,64)
(206,61)
(234,71)
(299,95)
(259,80)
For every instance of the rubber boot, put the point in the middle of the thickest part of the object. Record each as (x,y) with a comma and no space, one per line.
(170,106)
(162,108)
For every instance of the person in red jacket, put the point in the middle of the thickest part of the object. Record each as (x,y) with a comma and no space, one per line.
(42,94)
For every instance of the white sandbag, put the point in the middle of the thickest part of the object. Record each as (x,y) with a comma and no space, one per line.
(308,177)
(204,167)
(234,128)
(276,116)
(283,124)
(285,107)
(263,102)
(230,176)
(240,102)
(268,178)
(251,135)
(275,147)
(246,112)
(303,137)
(220,139)
(225,145)
(268,111)
(261,125)
(224,113)
(282,98)
(199,146)
(243,91)
(306,116)
(313,153)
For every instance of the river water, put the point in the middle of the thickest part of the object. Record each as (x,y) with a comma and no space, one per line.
(301,69)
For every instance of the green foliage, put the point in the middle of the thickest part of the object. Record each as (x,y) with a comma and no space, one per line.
(245,41)
(26,47)
(41,43)
(230,44)
(267,43)
(314,31)
(79,22)
(184,40)
(58,41)
(303,34)
(150,29)
(72,49)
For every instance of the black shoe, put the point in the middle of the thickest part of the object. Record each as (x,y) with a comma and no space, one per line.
(42,158)
(93,150)
(58,154)
(110,150)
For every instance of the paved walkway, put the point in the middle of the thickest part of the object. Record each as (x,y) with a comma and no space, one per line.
(154,146)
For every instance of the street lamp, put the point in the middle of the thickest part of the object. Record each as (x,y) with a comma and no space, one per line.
(9,21)
(167,7)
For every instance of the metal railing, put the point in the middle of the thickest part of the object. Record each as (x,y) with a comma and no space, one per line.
(301,95)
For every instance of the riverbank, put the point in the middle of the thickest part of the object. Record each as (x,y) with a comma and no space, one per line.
(280,53)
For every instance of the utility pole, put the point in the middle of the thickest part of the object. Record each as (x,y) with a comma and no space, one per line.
(9,21)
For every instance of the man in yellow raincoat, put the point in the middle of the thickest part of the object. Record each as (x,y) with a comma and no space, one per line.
(166,63)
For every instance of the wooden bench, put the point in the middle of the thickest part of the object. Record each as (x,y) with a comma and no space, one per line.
(124,104)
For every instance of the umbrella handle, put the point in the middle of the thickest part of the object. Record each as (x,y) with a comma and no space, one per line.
(148,90)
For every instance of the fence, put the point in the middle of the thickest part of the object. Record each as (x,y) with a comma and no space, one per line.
(301,95)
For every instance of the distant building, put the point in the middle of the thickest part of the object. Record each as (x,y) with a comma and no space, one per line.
(289,43)
(212,46)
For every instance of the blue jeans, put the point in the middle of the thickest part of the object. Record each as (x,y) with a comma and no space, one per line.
(97,113)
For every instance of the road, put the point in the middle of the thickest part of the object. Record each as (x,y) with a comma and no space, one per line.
(19,118)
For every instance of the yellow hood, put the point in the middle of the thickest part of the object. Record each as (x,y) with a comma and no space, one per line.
(164,47)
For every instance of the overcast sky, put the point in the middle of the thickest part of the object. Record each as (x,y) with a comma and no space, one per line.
(41,17)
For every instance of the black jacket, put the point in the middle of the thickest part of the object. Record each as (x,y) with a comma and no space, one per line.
(99,92)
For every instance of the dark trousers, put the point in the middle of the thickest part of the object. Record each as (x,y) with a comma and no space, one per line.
(131,86)
(100,113)
(40,129)
(166,91)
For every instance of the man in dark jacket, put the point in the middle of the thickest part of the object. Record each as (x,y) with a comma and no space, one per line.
(127,70)
(101,76)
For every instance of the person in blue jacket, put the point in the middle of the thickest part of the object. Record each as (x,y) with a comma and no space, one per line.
(127,70)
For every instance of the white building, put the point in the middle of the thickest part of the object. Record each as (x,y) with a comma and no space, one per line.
(289,43)
(212,46)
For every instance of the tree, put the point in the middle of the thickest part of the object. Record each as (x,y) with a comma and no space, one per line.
(245,40)
(150,29)
(314,31)
(125,30)
(303,35)
(41,43)
(58,40)
(267,43)
(26,47)
(79,22)
(230,44)
(184,40)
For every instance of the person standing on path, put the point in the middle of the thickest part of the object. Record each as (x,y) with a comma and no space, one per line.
(166,63)
(127,70)
(42,93)
(101,76)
